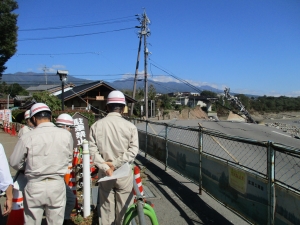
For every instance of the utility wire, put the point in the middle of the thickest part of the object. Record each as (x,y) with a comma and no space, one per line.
(81,75)
(183,81)
(87,102)
(166,87)
(69,53)
(103,22)
(76,35)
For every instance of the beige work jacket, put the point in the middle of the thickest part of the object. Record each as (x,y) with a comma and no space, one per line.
(46,151)
(113,139)
(24,130)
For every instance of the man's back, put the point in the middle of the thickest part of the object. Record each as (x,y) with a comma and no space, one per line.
(24,130)
(48,151)
(114,136)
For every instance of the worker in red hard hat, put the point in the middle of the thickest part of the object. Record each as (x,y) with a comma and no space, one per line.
(28,127)
(44,153)
(66,121)
(113,142)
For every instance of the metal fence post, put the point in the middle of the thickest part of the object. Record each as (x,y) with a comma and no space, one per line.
(271,186)
(167,155)
(146,140)
(200,148)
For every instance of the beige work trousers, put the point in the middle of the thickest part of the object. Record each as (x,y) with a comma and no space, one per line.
(47,195)
(115,197)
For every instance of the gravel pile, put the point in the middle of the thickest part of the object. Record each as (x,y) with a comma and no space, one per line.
(289,129)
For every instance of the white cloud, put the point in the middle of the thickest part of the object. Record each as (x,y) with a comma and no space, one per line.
(163,79)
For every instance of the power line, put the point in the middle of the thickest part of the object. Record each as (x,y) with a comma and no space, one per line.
(166,87)
(85,75)
(76,35)
(183,81)
(50,54)
(103,22)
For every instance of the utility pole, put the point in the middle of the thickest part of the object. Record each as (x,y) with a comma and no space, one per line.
(137,65)
(45,69)
(145,31)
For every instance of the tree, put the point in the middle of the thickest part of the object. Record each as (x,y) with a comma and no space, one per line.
(16,89)
(208,94)
(166,101)
(52,101)
(12,89)
(151,92)
(8,27)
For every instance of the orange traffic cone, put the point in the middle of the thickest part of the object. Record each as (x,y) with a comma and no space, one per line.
(94,171)
(8,128)
(138,179)
(13,131)
(75,157)
(67,176)
(16,216)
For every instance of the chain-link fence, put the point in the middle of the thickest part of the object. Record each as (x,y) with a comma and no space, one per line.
(190,151)
(287,166)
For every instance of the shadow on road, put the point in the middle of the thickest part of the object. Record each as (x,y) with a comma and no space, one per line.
(190,198)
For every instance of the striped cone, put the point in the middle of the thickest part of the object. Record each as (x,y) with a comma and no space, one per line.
(8,128)
(5,127)
(93,170)
(16,216)
(75,157)
(13,131)
(138,179)
(67,176)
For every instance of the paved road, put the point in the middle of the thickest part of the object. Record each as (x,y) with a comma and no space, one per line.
(247,130)
(252,156)
(176,200)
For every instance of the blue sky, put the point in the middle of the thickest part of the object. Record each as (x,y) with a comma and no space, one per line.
(252,47)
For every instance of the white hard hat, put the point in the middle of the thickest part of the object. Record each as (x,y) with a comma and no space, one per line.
(116,97)
(27,114)
(65,119)
(38,107)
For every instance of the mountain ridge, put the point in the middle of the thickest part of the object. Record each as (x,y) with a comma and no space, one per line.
(27,79)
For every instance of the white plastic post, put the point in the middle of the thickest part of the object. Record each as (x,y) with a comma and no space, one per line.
(86,180)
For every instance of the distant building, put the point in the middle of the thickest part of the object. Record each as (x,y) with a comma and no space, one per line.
(91,96)
(54,89)
(3,103)
(195,100)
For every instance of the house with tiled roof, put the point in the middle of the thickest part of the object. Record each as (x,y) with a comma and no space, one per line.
(53,89)
(91,96)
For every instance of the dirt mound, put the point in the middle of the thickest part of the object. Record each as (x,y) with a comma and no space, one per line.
(236,117)
(195,113)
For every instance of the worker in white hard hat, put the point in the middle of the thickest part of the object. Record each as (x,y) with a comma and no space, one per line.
(28,127)
(113,142)
(44,153)
(66,121)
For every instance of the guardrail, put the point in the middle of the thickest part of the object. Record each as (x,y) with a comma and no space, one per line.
(243,174)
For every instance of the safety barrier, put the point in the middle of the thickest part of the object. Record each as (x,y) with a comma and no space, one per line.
(16,216)
(241,173)
(141,206)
